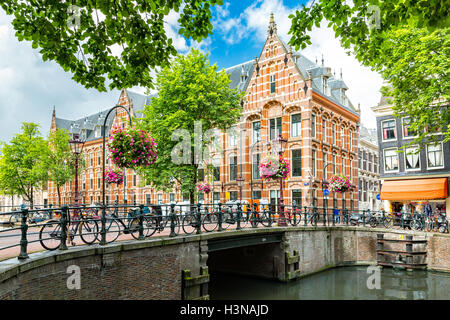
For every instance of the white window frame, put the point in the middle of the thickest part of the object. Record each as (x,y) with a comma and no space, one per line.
(232,137)
(403,130)
(405,155)
(443,160)
(395,130)
(299,131)
(384,161)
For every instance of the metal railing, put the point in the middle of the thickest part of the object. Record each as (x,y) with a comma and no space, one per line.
(27,230)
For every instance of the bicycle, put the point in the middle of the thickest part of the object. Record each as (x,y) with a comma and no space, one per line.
(158,222)
(78,223)
(264,217)
(291,216)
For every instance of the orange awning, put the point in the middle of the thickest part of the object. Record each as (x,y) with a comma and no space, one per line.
(414,189)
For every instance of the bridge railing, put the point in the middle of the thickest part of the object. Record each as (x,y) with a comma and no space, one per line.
(28,230)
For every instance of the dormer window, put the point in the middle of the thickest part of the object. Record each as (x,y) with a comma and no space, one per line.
(83,134)
(98,131)
(343,97)
(325,88)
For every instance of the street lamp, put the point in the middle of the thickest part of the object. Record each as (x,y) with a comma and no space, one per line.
(76,145)
(240,180)
(281,145)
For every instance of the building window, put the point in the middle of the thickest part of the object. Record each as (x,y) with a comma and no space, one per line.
(172,197)
(296,163)
(232,137)
(296,121)
(134,180)
(256,131)
(324,129)
(255,166)
(272,83)
(334,164)
(99,158)
(257,194)
(435,156)
(217,173)
(333,132)
(412,158)
(233,195)
(216,196)
(98,183)
(297,197)
(98,131)
(233,168)
(350,140)
(388,129)
(407,132)
(148,199)
(159,198)
(390,160)
(313,125)
(200,197)
(275,128)
(314,163)
(200,174)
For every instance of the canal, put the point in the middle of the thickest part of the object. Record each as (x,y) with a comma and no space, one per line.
(342,283)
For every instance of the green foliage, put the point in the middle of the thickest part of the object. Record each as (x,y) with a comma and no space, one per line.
(81,40)
(408,45)
(190,92)
(418,73)
(23,168)
(59,159)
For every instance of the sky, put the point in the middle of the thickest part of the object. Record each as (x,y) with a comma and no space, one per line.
(30,88)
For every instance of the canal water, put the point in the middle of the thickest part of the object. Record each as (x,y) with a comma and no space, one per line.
(342,283)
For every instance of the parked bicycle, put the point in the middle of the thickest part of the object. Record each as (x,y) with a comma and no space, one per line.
(50,234)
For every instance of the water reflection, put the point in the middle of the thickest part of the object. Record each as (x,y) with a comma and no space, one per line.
(345,283)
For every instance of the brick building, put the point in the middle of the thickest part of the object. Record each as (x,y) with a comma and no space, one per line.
(286,94)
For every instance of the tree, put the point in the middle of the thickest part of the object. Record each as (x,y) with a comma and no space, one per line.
(80,35)
(22,165)
(417,71)
(194,99)
(59,159)
(374,31)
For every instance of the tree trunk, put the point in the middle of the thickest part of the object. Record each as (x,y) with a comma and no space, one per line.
(58,188)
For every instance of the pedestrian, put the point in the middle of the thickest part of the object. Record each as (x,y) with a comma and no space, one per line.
(337,218)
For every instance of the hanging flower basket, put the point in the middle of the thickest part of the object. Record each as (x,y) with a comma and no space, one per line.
(340,183)
(114,176)
(273,167)
(203,187)
(132,148)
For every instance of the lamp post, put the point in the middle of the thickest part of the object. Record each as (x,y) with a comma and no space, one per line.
(281,219)
(240,180)
(76,145)
(103,219)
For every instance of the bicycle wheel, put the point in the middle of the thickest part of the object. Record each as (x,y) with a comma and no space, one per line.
(189,223)
(14,218)
(88,230)
(50,235)
(266,220)
(245,221)
(149,225)
(209,222)
(112,229)
(373,222)
(295,218)
(416,225)
(254,219)
(227,220)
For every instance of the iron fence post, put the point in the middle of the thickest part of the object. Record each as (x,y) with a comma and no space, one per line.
(305,218)
(141,222)
(238,222)
(172,220)
(199,218)
(294,212)
(220,219)
(324,217)
(63,222)
(270,216)
(346,216)
(23,241)
(364,218)
(253,216)
(103,226)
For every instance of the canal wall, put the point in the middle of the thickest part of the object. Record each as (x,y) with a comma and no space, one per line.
(177,268)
